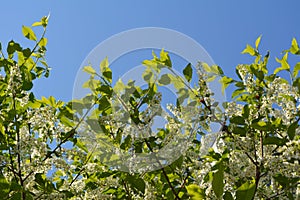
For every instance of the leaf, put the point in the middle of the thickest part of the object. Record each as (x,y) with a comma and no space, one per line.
(195,192)
(294,47)
(105,70)
(257,42)
(291,131)
(228,196)
(188,72)
(81,145)
(37,24)
(164,79)
(218,181)
(274,140)
(137,183)
(165,58)
(237,120)
(250,50)
(284,64)
(246,191)
(225,81)
(261,125)
(90,70)
(28,33)
(296,70)
(64,120)
(12,47)
(246,111)
(4,187)
(43,42)
(206,67)
(104,64)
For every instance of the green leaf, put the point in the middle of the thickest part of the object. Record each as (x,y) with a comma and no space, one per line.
(28,33)
(257,42)
(104,64)
(205,66)
(137,183)
(90,70)
(165,58)
(43,42)
(164,79)
(81,145)
(246,191)
(292,130)
(12,47)
(195,192)
(220,70)
(294,47)
(67,121)
(225,81)
(105,70)
(188,72)
(37,24)
(250,50)
(218,181)
(261,125)
(4,187)
(274,140)
(239,131)
(296,70)
(227,196)
(237,120)
(246,111)
(284,64)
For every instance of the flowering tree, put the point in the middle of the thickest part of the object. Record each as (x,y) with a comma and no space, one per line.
(48,148)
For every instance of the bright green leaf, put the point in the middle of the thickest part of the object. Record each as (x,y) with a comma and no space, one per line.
(257,42)
(37,24)
(294,47)
(90,70)
(28,33)
(43,42)
(195,192)
(250,50)
(225,81)
(296,70)
(284,64)
(246,191)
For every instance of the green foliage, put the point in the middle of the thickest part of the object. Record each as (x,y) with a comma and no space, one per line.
(255,154)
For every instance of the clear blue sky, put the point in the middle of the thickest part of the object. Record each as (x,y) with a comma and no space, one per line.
(223,28)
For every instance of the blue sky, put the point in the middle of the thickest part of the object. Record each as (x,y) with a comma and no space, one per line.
(223,28)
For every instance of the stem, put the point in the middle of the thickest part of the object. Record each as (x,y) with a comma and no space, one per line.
(258,167)
(88,158)
(19,160)
(34,48)
(71,134)
(164,172)
(126,189)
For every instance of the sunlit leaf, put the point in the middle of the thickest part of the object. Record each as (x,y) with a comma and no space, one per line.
(28,33)
(90,70)
(246,191)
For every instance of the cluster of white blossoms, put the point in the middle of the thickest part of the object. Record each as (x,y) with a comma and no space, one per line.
(15,79)
(247,154)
